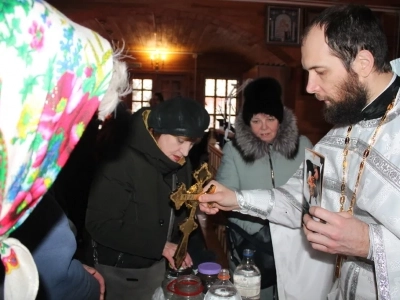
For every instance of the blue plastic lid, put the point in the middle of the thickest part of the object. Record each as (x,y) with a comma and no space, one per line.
(248,252)
(209,268)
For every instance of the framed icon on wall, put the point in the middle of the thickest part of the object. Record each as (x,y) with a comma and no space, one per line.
(283,25)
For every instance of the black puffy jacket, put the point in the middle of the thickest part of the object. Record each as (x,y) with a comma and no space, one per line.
(129,208)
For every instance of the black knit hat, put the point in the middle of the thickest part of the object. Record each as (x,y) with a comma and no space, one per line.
(180,117)
(262,95)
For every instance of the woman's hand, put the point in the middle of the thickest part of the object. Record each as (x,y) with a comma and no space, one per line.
(169,251)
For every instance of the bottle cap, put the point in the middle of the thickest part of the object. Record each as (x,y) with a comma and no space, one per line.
(224,274)
(248,252)
(209,268)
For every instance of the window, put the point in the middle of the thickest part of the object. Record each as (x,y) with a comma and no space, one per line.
(141,93)
(218,103)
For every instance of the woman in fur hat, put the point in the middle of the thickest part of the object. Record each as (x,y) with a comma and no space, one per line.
(266,151)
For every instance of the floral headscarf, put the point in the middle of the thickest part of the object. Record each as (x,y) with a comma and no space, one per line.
(53,75)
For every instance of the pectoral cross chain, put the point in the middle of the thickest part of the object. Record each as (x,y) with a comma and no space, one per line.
(338,265)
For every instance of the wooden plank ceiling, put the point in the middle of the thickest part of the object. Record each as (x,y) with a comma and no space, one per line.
(193,26)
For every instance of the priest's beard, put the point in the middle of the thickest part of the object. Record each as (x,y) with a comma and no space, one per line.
(346,108)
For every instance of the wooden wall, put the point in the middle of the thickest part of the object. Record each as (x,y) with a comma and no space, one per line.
(248,31)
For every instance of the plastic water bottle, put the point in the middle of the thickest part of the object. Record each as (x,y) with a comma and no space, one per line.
(223,289)
(247,277)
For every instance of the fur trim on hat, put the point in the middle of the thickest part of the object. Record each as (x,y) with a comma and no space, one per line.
(252,148)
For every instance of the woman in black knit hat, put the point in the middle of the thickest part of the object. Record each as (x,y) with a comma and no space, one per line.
(130,216)
(266,151)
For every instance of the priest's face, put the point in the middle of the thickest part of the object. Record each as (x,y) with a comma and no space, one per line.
(342,92)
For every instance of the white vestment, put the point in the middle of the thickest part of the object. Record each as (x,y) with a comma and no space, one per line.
(378,204)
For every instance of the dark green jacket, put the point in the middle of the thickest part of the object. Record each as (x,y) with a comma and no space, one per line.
(129,208)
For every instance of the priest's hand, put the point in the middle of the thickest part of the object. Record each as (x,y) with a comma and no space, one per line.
(222,199)
(336,233)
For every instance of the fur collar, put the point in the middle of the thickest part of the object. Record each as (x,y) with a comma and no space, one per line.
(252,148)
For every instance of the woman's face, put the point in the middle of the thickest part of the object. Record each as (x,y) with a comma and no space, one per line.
(265,127)
(175,147)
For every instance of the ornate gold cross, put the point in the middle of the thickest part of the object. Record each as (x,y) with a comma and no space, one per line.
(190,198)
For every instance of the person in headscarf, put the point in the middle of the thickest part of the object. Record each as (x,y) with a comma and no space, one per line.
(53,75)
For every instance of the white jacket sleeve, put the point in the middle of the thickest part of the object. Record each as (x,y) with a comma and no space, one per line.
(280,205)
(385,247)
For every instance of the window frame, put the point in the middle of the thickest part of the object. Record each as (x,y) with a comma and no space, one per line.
(143,102)
(217,97)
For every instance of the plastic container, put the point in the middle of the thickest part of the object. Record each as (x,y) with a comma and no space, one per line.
(208,274)
(170,275)
(186,287)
